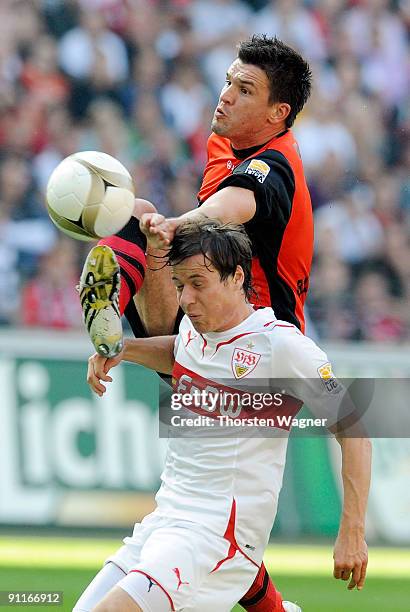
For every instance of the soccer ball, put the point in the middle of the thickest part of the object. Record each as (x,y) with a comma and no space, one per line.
(90,195)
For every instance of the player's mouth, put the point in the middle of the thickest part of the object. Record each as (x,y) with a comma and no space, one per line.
(196,321)
(219,112)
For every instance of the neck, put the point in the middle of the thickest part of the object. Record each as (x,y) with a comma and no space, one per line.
(253,140)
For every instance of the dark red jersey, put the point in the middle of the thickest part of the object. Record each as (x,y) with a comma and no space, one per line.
(282,229)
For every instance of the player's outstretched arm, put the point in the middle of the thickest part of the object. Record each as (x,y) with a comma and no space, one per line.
(231,204)
(155,353)
(350,551)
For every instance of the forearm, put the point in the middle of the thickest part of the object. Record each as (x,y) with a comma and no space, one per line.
(356,470)
(155,353)
(231,204)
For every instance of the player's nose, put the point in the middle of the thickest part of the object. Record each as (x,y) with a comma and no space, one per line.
(186,298)
(227,95)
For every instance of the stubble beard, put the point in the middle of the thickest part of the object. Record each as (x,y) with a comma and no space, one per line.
(217,128)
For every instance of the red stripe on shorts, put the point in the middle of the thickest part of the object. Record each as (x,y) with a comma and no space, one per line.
(171,603)
(230,536)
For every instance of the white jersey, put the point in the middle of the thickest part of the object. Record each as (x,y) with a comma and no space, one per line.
(231,484)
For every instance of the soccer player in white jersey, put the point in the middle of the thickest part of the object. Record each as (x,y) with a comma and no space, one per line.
(201,548)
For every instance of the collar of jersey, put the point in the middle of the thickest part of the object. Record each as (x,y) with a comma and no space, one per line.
(244,153)
(232,331)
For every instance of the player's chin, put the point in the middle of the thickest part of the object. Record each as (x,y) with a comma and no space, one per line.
(199,325)
(218,127)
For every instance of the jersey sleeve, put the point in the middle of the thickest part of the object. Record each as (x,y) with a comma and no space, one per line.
(306,373)
(270,176)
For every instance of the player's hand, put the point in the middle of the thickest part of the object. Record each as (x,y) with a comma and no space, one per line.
(158,230)
(350,558)
(98,368)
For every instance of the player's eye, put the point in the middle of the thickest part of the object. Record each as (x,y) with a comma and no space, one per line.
(244,90)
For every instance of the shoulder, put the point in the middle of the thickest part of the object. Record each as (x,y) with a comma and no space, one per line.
(294,352)
(289,338)
(283,335)
(269,166)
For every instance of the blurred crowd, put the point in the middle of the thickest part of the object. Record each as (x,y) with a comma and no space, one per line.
(139,79)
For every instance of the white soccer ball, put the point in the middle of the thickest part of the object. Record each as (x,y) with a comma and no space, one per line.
(90,195)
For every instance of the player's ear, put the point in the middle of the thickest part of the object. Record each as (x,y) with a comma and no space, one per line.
(279,112)
(239,276)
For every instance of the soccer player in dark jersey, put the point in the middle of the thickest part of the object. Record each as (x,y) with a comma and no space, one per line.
(254,175)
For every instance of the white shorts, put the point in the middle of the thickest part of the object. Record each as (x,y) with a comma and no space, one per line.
(197,570)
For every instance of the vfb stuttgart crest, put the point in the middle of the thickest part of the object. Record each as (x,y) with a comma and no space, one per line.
(244,362)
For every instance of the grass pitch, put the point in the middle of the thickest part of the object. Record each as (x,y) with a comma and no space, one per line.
(301,573)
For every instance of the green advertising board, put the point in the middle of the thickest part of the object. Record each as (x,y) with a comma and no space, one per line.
(65,451)
(57,437)
(70,458)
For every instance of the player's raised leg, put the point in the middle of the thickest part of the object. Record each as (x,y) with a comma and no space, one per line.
(112,278)
(156,302)
(99,294)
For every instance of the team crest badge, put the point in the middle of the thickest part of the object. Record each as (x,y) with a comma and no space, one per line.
(244,362)
(325,371)
(328,378)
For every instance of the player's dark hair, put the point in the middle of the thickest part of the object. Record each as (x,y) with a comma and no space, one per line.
(223,245)
(289,74)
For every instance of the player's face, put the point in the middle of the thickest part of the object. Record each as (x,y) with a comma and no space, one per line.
(244,113)
(211,304)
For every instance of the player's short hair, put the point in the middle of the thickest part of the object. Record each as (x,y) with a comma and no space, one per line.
(289,74)
(223,245)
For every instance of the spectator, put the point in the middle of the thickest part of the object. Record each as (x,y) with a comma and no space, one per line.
(40,76)
(9,273)
(95,58)
(289,20)
(50,299)
(107,130)
(61,138)
(322,133)
(217,26)
(330,299)
(357,232)
(139,79)
(378,316)
(184,98)
(25,232)
(90,46)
